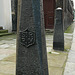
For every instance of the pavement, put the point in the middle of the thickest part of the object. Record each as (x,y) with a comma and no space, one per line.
(70,64)
(57,59)
(59,62)
(8,55)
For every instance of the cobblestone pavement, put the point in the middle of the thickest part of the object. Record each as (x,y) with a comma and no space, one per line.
(56,59)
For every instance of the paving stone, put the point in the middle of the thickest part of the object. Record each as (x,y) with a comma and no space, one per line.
(3,56)
(5,74)
(14,39)
(7,68)
(69,69)
(49,49)
(56,60)
(55,71)
(68,34)
(5,53)
(13,47)
(67,45)
(49,42)
(2,42)
(49,45)
(71,56)
(73,46)
(5,42)
(73,40)
(11,58)
(11,42)
(49,36)
(68,38)
(4,46)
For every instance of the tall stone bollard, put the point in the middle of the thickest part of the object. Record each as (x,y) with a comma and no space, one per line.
(31,48)
(14,5)
(58,40)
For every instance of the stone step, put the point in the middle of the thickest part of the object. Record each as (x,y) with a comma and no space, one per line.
(3,31)
(5,34)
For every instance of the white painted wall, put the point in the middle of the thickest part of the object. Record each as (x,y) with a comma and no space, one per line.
(5,15)
(1,13)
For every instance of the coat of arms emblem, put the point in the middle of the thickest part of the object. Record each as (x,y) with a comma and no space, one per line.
(27,38)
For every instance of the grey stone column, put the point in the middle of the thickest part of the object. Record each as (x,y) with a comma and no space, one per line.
(58,40)
(31,48)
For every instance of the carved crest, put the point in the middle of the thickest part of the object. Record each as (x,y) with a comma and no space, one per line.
(27,38)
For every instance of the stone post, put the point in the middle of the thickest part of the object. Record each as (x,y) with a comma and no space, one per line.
(14,6)
(31,48)
(58,41)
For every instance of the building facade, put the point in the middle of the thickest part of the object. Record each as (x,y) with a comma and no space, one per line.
(49,12)
(68,14)
(5,15)
(9,8)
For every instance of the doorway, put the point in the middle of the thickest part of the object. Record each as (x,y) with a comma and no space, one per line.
(49,7)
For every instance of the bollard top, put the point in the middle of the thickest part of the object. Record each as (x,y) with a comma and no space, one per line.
(59,8)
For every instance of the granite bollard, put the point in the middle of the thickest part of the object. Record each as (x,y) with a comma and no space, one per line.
(14,5)
(31,45)
(58,39)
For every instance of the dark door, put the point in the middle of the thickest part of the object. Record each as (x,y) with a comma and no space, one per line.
(49,6)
